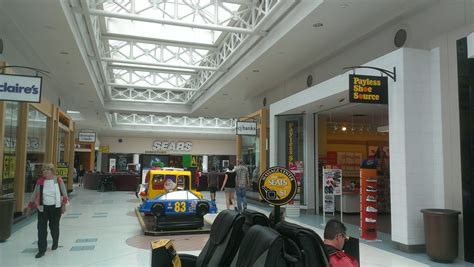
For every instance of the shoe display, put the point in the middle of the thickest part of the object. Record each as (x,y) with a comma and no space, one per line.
(369,220)
(371,188)
(371,199)
(39,255)
(371,209)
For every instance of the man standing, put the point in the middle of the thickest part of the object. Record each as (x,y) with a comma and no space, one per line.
(242,181)
(212,178)
(334,239)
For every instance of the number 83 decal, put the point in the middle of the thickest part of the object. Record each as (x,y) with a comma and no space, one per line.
(180,206)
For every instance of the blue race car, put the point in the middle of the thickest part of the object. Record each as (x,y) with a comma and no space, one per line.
(178,210)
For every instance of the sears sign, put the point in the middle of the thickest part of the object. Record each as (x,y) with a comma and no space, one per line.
(170,146)
(20,88)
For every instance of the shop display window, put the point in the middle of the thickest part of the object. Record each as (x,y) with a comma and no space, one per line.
(250,153)
(35,149)
(291,148)
(9,148)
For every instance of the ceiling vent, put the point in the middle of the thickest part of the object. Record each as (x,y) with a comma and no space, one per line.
(400,38)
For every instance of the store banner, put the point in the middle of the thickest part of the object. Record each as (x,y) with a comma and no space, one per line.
(104,149)
(20,88)
(291,142)
(246,128)
(368,89)
(62,170)
(87,137)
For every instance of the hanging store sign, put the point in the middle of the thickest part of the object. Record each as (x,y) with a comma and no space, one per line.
(20,88)
(246,128)
(368,89)
(277,186)
(172,146)
(87,137)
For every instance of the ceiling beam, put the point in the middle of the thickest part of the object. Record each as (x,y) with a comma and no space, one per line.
(166,65)
(150,40)
(117,85)
(213,27)
(151,69)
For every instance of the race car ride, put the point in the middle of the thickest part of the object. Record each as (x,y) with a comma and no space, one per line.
(178,210)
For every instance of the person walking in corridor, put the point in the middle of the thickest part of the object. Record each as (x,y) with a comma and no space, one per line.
(229,185)
(50,199)
(242,182)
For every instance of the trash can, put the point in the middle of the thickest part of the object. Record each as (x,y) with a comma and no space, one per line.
(6,217)
(441,234)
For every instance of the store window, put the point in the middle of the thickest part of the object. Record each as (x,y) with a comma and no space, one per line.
(291,148)
(9,148)
(35,149)
(250,152)
(61,145)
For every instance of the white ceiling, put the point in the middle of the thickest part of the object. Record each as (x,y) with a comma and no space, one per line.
(41,27)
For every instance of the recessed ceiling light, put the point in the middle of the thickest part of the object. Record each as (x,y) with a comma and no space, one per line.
(256,70)
(317,25)
(344,5)
(341,100)
(225,94)
(64,53)
(80,83)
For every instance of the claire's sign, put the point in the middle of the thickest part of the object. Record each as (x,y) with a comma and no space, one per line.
(368,89)
(277,186)
(20,88)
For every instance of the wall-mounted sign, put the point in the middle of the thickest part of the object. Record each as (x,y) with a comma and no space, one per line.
(246,128)
(20,88)
(368,89)
(277,186)
(180,146)
(87,137)
(104,149)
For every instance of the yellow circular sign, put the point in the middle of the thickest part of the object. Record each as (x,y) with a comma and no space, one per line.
(277,185)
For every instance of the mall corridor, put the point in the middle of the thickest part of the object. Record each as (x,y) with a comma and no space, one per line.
(101,229)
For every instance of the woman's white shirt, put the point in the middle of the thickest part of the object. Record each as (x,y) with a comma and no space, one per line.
(49,192)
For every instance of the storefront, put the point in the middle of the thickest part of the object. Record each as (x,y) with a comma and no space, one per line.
(252,145)
(409,170)
(33,134)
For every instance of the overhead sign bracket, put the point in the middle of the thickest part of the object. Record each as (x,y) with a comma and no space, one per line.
(391,74)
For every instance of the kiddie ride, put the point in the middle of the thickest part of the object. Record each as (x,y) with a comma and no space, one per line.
(168,196)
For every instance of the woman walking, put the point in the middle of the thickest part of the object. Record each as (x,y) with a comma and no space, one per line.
(229,185)
(50,198)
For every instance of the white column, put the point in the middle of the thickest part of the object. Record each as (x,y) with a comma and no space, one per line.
(136,158)
(309,175)
(416,172)
(273,138)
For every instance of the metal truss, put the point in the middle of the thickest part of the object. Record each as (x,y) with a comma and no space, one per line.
(150,95)
(180,68)
(170,121)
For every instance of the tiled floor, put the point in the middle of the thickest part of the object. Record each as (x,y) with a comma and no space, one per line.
(100,229)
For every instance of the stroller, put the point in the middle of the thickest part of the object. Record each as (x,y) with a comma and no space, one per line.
(106,183)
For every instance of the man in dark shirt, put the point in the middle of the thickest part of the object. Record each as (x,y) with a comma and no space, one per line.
(212,182)
(334,239)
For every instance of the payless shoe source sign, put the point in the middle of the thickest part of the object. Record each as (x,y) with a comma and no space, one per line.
(368,89)
(20,88)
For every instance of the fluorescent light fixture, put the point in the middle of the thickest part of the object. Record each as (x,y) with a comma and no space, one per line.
(382,129)
(73,112)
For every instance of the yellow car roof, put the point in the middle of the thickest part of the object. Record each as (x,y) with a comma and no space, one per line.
(170,171)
